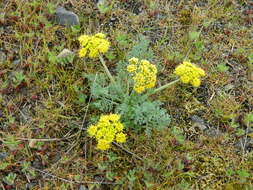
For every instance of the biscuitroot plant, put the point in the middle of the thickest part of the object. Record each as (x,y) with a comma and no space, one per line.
(125,97)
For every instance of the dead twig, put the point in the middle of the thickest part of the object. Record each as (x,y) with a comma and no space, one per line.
(73,181)
(127,151)
(41,140)
(2,186)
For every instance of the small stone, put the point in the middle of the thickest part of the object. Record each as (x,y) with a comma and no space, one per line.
(229,87)
(66,18)
(16,62)
(31,185)
(36,163)
(198,122)
(65,53)
(212,132)
(82,187)
(3,155)
(100,1)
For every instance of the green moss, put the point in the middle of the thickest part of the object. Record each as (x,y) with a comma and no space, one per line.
(53,102)
(185,17)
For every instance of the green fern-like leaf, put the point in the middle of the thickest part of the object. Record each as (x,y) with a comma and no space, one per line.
(141,50)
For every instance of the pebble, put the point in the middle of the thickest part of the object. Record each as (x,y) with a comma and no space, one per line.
(30,186)
(82,187)
(208,130)
(66,18)
(16,62)
(198,122)
(212,132)
(3,155)
(65,53)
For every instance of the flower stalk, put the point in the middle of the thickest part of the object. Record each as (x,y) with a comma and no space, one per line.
(164,86)
(106,69)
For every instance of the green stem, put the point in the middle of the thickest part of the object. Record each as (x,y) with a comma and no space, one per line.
(164,86)
(106,69)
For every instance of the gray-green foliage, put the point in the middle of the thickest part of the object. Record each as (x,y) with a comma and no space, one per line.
(140,50)
(105,95)
(137,111)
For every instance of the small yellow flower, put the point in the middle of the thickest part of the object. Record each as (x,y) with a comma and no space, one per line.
(131,68)
(103,119)
(195,82)
(84,39)
(92,130)
(121,138)
(185,79)
(82,52)
(100,35)
(99,134)
(143,73)
(108,129)
(119,127)
(189,73)
(133,60)
(92,46)
(109,137)
(114,117)
(139,89)
(103,144)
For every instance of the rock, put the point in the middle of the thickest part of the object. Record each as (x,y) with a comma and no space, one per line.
(82,187)
(3,155)
(65,53)
(30,186)
(212,132)
(229,87)
(16,62)
(198,123)
(208,130)
(66,18)
(37,164)
(100,1)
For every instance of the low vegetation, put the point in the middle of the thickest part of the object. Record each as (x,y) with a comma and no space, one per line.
(142,94)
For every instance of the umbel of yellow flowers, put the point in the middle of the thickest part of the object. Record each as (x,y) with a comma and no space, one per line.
(108,129)
(143,73)
(189,73)
(91,46)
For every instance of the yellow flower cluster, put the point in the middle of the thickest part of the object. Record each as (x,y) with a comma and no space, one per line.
(108,129)
(144,74)
(93,45)
(189,73)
